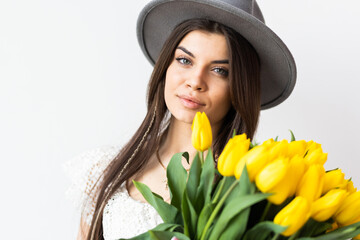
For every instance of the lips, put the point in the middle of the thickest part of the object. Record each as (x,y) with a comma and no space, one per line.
(190,102)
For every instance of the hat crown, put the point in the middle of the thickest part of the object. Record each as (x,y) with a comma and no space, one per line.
(249,6)
(278,69)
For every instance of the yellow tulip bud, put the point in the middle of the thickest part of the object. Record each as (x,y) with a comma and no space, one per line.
(255,161)
(268,142)
(311,146)
(349,211)
(294,215)
(350,187)
(297,148)
(296,170)
(326,206)
(312,182)
(201,137)
(334,179)
(274,178)
(232,153)
(279,149)
(315,157)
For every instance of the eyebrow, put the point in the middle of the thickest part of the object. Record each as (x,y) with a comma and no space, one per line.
(225,61)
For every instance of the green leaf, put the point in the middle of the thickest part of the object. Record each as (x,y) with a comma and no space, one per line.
(234,133)
(203,217)
(276,139)
(338,234)
(162,235)
(232,209)
(292,136)
(244,187)
(177,176)
(160,227)
(314,228)
(189,215)
(166,211)
(237,226)
(262,230)
(203,195)
(228,181)
(253,144)
(194,179)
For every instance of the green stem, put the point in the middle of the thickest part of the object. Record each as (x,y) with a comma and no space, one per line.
(217,209)
(276,236)
(222,183)
(266,210)
(294,236)
(201,155)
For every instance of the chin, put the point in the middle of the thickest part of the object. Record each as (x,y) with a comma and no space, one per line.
(185,116)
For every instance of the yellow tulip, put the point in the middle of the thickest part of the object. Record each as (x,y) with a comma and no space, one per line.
(297,148)
(296,172)
(311,146)
(327,205)
(268,142)
(334,179)
(312,182)
(315,157)
(279,149)
(201,137)
(349,211)
(350,187)
(294,215)
(232,153)
(275,178)
(255,161)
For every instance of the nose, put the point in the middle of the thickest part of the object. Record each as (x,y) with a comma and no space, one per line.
(196,80)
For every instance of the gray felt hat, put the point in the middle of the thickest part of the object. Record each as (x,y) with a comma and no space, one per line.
(278,69)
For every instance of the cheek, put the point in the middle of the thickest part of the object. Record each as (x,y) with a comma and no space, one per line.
(221,102)
(222,94)
(170,85)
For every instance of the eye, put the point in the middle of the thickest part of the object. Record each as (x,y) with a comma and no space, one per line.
(183,60)
(222,71)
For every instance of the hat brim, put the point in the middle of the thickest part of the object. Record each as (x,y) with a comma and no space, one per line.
(278,70)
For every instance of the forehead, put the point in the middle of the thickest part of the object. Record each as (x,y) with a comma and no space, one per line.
(205,43)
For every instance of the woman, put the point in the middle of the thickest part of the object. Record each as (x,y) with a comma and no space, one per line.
(218,58)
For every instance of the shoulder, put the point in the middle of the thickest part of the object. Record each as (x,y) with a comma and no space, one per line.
(94,156)
(95,159)
(85,169)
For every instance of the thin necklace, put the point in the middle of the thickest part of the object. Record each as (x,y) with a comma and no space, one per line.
(159,160)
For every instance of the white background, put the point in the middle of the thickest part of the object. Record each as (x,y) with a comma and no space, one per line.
(73,78)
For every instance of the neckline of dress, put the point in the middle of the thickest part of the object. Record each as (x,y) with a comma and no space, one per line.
(126,192)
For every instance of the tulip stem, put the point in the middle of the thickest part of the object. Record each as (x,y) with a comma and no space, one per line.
(276,236)
(217,209)
(266,210)
(222,183)
(201,155)
(294,236)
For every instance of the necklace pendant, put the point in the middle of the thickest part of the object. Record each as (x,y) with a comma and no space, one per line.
(166,184)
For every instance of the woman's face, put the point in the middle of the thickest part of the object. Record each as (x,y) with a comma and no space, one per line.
(197,78)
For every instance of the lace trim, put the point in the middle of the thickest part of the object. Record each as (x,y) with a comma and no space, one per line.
(126,217)
(84,171)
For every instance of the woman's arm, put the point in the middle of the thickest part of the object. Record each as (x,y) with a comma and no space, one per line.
(83,230)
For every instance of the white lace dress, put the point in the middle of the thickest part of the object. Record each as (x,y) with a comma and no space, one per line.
(124,217)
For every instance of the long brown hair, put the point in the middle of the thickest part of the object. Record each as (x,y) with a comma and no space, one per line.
(244,80)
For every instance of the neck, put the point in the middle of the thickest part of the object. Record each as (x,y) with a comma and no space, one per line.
(178,139)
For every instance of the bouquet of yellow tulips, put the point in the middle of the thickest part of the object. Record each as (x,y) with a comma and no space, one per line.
(276,190)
